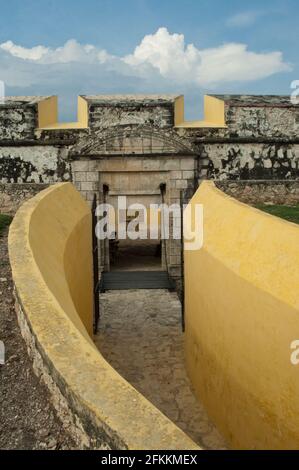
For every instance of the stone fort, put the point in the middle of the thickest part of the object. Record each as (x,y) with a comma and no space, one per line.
(117,365)
(142,147)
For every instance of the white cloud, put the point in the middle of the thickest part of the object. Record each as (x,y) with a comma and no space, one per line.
(35,53)
(71,51)
(167,52)
(161,59)
(233,62)
(186,63)
(243,19)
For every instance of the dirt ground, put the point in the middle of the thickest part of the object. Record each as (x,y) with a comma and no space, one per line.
(27,418)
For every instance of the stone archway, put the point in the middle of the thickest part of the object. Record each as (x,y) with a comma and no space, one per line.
(133,161)
(133,139)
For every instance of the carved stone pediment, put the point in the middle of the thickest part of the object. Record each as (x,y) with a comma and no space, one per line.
(128,140)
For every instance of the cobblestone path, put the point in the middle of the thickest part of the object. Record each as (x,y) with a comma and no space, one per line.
(140,336)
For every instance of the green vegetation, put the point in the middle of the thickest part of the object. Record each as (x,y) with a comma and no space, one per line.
(290,213)
(4,222)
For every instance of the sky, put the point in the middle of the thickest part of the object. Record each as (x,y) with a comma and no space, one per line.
(190,47)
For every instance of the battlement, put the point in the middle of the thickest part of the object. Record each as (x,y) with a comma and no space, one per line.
(254,114)
(48,115)
(168,110)
(253,101)
(90,106)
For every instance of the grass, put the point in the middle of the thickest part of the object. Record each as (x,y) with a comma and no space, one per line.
(5,220)
(290,213)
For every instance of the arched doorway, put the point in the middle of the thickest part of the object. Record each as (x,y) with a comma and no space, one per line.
(133,161)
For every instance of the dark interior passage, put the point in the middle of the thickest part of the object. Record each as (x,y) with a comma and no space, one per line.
(135,255)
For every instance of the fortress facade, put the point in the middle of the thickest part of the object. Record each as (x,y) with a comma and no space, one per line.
(136,145)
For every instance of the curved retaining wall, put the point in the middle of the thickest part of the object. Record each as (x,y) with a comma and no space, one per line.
(242,313)
(50,254)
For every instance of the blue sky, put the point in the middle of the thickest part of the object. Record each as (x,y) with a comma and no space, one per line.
(191,47)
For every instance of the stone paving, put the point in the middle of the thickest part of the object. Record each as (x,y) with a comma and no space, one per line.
(140,335)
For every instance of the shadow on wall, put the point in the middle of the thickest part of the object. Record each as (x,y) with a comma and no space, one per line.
(242,314)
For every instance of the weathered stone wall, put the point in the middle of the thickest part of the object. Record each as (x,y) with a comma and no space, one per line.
(26,170)
(262,121)
(118,110)
(13,195)
(33,164)
(246,161)
(255,116)
(261,191)
(260,141)
(17,121)
(30,159)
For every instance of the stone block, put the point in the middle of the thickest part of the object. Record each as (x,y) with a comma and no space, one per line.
(135,164)
(116,164)
(181,184)
(80,176)
(174,195)
(96,165)
(176,175)
(80,165)
(175,260)
(187,164)
(188,174)
(92,176)
(171,164)
(151,164)
(89,186)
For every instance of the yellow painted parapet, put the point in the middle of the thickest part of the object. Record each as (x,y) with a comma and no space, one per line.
(50,250)
(48,115)
(47,112)
(242,314)
(214,114)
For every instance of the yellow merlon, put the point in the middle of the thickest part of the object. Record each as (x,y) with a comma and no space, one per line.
(48,115)
(214,114)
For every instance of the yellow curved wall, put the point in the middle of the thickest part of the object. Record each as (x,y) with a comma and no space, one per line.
(51,260)
(60,239)
(242,313)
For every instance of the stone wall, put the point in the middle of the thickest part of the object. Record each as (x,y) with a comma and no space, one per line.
(13,195)
(256,116)
(263,191)
(260,141)
(18,120)
(237,161)
(33,164)
(120,110)
(178,173)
